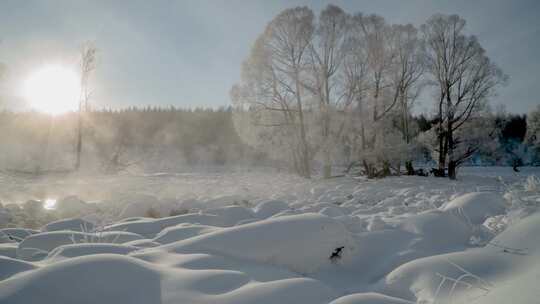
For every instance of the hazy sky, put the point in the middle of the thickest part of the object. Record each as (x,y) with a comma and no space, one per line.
(188,53)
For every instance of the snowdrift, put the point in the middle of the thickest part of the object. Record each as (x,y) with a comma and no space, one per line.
(90,279)
(343,241)
(512,255)
(476,207)
(75,224)
(149,228)
(37,246)
(303,243)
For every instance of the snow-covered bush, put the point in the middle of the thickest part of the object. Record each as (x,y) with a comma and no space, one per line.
(532,184)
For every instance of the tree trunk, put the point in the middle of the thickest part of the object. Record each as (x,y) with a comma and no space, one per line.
(386,169)
(305,161)
(452,170)
(327,169)
(442,149)
(79,142)
(409,167)
(451,161)
(441,136)
(450,139)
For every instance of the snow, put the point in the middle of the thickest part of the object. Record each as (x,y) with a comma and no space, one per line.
(513,254)
(267,209)
(37,245)
(75,224)
(369,298)
(15,233)
(151,227)
(82,249)
(286,240)
(9,250)
(477,206)
(87,279)
(273,241)
(11,266)
(181,232)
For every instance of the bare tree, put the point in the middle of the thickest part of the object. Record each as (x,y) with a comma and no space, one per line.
(272,89)
(464,75)
(376,37)
(327,56)
(87,65)
(406,71)
(354,77)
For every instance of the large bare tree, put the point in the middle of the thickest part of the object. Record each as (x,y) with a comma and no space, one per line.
(405,80)
(272,88)
(465,78)
(326,60)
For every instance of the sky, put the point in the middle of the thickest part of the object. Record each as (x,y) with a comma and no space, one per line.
(188,53)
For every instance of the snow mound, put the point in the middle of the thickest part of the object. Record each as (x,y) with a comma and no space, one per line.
(182,232)
(439,229)
(75,250)
(293,290)
(268,208)
(142,243)
(91,279)
(75,224)
(38,245)
(10,266)
(232,214)
(9,250)
(9,235)
(332,211)
(369,298)
(149,228)
(217,282)
(506,263)
(476,206)
(302,243)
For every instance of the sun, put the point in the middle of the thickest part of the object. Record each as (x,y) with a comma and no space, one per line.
(53,89)
(49,204)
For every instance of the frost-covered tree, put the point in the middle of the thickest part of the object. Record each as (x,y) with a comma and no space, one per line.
(464,76)
(479,135)
(326,60)
(354,80)
(406,72)
(373,103)
(390,68)
(340,83)
(272,91)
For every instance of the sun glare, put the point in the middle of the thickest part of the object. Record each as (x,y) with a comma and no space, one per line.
(53,89)
(49,204)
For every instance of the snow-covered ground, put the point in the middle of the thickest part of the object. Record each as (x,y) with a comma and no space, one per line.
(259,237)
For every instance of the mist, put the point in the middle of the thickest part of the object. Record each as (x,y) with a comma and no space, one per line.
(330,152)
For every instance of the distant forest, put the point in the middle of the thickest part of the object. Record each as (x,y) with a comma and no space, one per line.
(169,139)
(148,139)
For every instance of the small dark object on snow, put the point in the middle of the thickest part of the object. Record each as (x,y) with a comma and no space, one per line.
(515,167)
(421,172)
(13,238)
(438,172)
(337,253)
